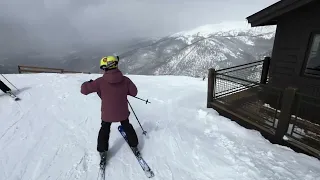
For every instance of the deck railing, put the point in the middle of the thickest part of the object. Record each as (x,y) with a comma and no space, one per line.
(304,124)
(242,94)
(33,69)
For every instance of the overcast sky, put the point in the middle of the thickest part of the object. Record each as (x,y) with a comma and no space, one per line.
(68,22)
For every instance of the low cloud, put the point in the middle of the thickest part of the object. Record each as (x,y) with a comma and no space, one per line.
(57,25)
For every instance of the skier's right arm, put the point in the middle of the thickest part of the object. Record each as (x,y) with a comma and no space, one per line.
(132,88)
(90,87)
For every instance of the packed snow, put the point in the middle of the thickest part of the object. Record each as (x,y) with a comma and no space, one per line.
(52,134)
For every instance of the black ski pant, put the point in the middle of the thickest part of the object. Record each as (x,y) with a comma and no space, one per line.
(104,134)
(4,87)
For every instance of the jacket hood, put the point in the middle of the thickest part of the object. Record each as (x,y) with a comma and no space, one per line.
(113,76)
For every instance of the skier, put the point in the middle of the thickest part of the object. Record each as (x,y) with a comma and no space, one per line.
(113,88)
(4,88)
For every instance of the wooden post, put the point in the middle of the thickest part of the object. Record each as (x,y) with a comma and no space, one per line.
(19,69)
(265,70)
(285,114)
(211,86)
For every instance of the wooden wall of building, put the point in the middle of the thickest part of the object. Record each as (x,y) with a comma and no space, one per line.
(291,49)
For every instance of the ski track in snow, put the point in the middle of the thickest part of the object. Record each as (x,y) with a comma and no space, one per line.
(51,134)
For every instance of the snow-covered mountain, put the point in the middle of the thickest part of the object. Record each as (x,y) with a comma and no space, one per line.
(192,52)
(188,53)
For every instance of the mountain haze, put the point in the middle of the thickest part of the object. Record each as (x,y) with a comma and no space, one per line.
(188,53)
(191,53)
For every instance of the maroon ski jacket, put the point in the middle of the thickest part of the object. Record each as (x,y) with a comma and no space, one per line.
(113,88)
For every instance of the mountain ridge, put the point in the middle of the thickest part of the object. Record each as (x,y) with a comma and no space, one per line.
(188,53)
(176,54)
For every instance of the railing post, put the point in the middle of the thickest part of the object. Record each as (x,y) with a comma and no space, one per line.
(211,86)
(265,70)
(285,114)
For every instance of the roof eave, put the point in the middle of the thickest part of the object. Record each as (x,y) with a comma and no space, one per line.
(263,23)
(269,15)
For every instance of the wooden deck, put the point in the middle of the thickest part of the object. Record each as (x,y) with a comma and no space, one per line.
(248,108)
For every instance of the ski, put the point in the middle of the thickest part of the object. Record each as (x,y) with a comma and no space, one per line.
(101,174)
(145,167)
(13,96)
(103,164)
(102,170)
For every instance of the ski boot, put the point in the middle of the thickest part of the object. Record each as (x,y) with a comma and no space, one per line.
(136,151)
(103,159)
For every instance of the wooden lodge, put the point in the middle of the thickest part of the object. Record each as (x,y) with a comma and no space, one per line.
(280,95)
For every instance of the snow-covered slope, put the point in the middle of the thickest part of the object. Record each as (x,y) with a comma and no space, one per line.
(192,52)
(51,134)
(228,28)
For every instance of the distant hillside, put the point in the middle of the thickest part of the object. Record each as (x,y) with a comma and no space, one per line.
(188,53)
(191,53)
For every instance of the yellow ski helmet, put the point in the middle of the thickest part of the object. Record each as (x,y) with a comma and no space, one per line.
(109,62)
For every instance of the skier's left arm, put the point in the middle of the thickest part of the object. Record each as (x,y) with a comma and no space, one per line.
(90,87)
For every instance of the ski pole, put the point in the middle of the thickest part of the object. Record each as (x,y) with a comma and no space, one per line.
(147,101)
(9,82)
(144,132)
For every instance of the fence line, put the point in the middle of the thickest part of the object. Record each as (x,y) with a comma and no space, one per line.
(33,69)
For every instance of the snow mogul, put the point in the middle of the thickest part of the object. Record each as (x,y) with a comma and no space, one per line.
(113,88)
